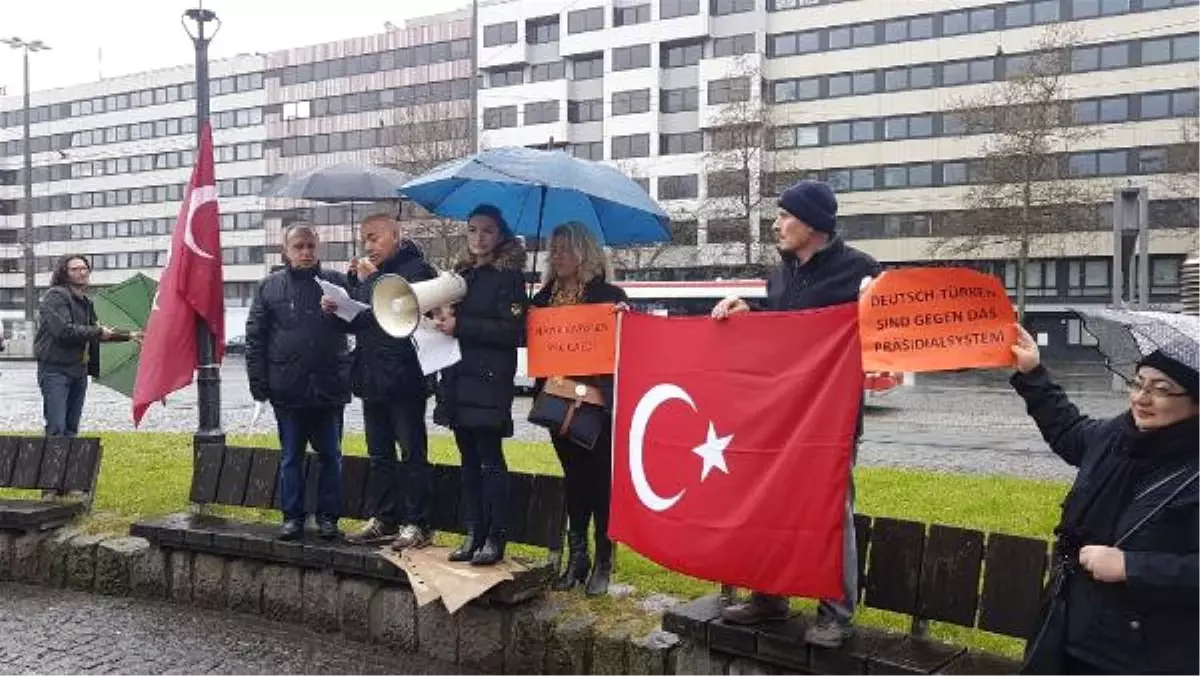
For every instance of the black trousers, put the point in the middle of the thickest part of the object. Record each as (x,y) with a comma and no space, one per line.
(588,478)
(484,482)
(398,493)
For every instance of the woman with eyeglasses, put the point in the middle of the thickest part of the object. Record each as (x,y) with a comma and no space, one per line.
(1123,592)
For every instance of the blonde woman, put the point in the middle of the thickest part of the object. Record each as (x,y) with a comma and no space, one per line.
(578,274)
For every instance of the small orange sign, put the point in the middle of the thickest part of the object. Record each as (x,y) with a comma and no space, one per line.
(935,319)
(573,340)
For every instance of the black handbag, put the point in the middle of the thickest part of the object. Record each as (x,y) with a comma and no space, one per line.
(571,410)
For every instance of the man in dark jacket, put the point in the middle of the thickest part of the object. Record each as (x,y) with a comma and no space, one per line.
(297,358)
(388,378)
(67,345)
(819,270)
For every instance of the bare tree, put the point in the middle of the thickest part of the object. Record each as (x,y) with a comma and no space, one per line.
(641,257)
(1020,187)
(736,156)
(1183,161)
(422,138)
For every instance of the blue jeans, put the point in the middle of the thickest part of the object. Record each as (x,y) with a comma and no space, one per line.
(62,402)
(321,427)
(484,482)
(398,493)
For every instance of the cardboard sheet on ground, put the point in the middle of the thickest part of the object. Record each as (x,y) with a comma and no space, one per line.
(935,319)
(432,576)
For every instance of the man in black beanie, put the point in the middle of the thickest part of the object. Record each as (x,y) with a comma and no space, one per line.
(819,270)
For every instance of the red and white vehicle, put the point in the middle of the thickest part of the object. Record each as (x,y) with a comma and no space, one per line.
(698,298)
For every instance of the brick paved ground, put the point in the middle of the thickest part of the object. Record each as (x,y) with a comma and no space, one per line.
(56,631)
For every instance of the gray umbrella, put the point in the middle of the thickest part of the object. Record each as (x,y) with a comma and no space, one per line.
(1125,336)
(346,182)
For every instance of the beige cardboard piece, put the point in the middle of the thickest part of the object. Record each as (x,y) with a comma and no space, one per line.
(433,576)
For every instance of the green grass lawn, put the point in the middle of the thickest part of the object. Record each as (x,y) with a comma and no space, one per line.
(148,474)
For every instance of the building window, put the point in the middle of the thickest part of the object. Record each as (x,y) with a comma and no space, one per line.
(585,20)
(628,58)
(797,137)
(679,100)
(731,90)
(636,145)
(499,118)
(681,56)
(541,31)
(543,72)
(680,144)
(506,77)
(587,67)
(790,44)
(727,184)
(785,91)
(500,34)
(669,9)
(735,45)
(631,102)
(1078,335)
(723,7)
(678,187)
(1164,276)
(588,110)
(593,150)
(629,16)
(299,109)
(541,112)
(1088,278)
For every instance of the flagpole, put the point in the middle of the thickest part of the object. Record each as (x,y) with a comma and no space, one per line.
(208,373)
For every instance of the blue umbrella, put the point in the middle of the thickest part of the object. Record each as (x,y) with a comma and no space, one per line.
(536,190)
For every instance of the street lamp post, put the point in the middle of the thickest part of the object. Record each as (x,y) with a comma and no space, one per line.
(208,374)
(28,237)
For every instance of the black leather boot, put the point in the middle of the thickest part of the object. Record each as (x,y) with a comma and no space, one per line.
(470,544)
(597,584)
(491,552)
(578,564)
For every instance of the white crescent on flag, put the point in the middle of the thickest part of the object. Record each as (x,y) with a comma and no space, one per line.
(201,195)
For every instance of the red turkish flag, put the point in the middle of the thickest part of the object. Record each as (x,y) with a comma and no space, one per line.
(191,288)
(732,445)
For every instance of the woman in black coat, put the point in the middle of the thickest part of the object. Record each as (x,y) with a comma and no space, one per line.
(1125,585)
(475,396)
(578,271)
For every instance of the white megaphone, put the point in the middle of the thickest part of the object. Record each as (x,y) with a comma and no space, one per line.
(398,304)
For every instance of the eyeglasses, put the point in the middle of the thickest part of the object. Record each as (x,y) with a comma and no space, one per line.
(1155,389)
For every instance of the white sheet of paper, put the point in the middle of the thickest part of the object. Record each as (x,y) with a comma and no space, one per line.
(347,307)
(435,350)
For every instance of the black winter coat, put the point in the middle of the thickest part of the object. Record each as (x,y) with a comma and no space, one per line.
(597,291)
(386,367)
(477,393)
(296,354)
(68,334)
(831,277)
(1147,624)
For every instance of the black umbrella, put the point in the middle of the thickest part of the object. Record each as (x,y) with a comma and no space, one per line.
(335,183)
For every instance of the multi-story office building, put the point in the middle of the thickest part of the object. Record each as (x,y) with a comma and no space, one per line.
(862,94)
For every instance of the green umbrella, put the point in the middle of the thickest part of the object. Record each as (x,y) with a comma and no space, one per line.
(124,306)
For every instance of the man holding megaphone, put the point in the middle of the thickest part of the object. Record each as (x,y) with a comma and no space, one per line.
(387,377)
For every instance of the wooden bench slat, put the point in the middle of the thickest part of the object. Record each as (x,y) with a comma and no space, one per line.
(54,462)
(263,477)
(83,465)
(544,525)
(1014,570)
(355,471)
(8,459)
(893,572)
(520,492)
(29,462)
(950,569)
(447,498)
(235,470)
(206,472)
(862,540)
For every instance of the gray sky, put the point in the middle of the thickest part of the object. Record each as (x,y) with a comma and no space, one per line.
(117,37)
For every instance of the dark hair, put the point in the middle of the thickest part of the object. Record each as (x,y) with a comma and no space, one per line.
(60,276)
(492,212)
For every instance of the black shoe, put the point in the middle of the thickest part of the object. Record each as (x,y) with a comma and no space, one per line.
(292,530)
(578,564)
(490,554)
(759,609)
(597,584)
(327,530)
(466,551)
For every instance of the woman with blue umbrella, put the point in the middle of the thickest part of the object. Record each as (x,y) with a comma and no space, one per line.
(475,396)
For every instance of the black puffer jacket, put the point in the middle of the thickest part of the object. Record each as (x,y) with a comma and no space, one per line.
(597,291)
(386,367)
(296,355)
(1147,624)
(477,392)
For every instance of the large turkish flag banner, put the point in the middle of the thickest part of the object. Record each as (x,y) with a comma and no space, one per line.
(732,445)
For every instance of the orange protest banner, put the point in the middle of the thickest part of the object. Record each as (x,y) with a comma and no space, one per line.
(935,319)
(574,340)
